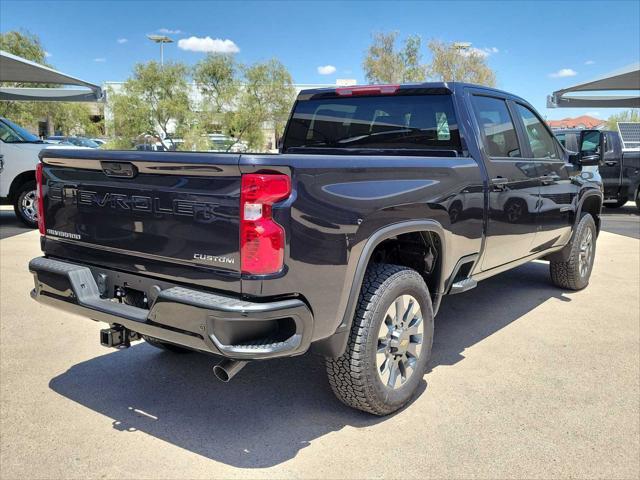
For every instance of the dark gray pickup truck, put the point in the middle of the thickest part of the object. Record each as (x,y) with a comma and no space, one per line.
(383,200)
(620,169)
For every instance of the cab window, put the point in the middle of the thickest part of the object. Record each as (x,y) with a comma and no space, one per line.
(540,140)
(496,126)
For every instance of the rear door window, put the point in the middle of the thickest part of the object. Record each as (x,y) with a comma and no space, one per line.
(497,127)
(397,122)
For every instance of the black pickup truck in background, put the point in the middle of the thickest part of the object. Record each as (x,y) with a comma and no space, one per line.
(620,170)
(383,200)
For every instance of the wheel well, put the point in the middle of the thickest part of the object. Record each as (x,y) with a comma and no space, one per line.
(20,180)
(593,205)
(421,251)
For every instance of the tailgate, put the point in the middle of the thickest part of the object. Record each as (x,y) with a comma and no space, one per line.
(161,214)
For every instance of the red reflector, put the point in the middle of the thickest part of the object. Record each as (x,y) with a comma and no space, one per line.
(368,90)
(261,238)
(41,225)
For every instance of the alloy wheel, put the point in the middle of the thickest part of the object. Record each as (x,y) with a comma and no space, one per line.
(29,207)
(586,252)
(399,341)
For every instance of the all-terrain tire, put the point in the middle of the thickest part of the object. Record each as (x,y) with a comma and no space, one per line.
(25,204)
(568,274)
(354,376)
(167,347)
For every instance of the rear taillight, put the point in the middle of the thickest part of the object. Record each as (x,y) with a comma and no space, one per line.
(261,238)
(367,90)
(41,226)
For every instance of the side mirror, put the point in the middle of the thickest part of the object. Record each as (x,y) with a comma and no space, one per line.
(592,147)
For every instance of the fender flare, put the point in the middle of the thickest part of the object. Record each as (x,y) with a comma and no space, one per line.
(562,255)
(335,345)
(588,195)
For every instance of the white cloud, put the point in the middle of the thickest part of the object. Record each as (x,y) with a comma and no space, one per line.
(589,62)
(208,44)
(47,54)
(563,72)
(593,114)
(168,31)
(326,69)
(100,59)
(122,40)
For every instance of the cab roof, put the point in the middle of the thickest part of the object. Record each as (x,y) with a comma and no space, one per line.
(425,88)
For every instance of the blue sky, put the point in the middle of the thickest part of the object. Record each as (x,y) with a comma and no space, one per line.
(534,47)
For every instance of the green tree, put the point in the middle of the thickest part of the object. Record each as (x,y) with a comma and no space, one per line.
(25,45)
(632,115)
(155,100)
(385,63)
(246,99)
(73,118)
(450,63)
(217,78)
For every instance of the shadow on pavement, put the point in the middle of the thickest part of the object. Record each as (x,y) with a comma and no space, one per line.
(10,225)
(272,409)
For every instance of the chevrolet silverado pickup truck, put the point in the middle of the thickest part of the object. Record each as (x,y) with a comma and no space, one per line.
(383,200)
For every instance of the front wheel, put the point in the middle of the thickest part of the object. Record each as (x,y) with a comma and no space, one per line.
(390,342)
(25,204)
(574,273)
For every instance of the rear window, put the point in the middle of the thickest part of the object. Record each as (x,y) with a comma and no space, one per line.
(408,122)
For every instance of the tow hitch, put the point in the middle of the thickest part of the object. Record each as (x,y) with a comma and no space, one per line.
(118,337)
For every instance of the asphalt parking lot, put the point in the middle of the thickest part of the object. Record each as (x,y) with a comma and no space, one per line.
(526,381)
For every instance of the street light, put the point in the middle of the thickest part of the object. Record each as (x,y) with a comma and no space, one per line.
(161,39)
(462,46)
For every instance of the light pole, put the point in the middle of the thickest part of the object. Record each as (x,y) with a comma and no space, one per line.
(461,46)
(161,39)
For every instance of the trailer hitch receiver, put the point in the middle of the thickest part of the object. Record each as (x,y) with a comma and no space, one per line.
(118,337)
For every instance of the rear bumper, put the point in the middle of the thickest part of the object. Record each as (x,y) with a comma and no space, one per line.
(194,319)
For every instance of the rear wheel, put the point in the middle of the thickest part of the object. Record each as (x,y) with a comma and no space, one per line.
(390,342)
(168,347)
(25,204)
(574,273)
(638,199)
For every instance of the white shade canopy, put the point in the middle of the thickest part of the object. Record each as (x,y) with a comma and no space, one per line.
(16,69)
(626,79)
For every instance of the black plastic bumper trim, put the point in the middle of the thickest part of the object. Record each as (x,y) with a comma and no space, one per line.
(179,315)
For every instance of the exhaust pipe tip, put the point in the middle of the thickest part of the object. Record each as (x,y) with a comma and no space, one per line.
(227,369)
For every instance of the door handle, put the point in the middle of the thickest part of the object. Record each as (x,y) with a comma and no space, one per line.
(610,164)
(499,183)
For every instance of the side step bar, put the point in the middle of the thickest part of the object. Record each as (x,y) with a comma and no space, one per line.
(463,286)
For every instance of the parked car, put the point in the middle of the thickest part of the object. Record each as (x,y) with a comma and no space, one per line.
(223,143)
(18,159)
(99,141)
(70,140)
(345,242)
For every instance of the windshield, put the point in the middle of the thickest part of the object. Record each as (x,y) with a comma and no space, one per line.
(82,142)
(397,122)
(12,133)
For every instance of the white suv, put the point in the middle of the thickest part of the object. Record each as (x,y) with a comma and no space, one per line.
(18,159)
